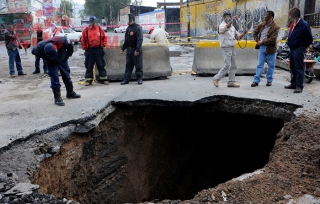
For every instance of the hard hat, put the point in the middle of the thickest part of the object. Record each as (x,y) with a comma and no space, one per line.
(92,18)
(150,30)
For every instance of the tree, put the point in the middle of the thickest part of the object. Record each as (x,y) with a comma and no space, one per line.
(104,8)
(66,8)
(64,13)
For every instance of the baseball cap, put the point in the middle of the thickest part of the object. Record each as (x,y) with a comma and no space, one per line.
(150,30)
(92,18)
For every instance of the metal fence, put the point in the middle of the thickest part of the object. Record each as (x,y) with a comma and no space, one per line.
(313,19)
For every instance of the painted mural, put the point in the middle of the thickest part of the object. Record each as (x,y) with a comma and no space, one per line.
(17,6)
(3,6)
(205,17)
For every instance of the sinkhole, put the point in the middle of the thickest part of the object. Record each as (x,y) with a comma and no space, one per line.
(142,153)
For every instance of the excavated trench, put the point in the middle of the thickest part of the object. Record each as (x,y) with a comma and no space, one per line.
(141,153)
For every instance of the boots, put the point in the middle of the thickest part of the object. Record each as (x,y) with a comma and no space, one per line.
(57,97)
(71,93)
(88,83)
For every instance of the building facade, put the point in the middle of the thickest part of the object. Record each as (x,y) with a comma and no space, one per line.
(206,15)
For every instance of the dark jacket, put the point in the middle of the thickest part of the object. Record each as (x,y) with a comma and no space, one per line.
(300,36)
(11,40)
(39,36)
(133,37)
(65,49)
(271,41)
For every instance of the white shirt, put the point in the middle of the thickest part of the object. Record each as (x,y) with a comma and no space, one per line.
(159,35)
(227,36)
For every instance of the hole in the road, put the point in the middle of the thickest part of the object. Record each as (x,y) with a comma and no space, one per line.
(146,153)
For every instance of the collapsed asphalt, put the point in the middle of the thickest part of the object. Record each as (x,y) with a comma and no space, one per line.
(27,107)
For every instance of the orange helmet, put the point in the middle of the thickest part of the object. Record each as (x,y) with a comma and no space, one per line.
(150,30)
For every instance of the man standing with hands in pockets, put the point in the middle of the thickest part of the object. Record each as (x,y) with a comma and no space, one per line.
(299,39)
(133,44)
(228,36)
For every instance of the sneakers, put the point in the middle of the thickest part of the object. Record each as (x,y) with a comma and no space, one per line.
(88,83)
(20,74)
(35,72)
(269,84)
(254,84)
(216,83)
(233,85)
(140,82)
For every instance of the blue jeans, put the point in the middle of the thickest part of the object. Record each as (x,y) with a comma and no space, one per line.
(297,66)
(261,60)
(37,65)
(14,57)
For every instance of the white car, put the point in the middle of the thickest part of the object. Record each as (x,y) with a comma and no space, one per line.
(70,34)
(121,29)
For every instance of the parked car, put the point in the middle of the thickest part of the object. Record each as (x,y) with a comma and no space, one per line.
(121,29)
(73,36)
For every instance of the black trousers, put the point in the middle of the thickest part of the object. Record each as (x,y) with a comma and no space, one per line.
(133,61)
(94,56)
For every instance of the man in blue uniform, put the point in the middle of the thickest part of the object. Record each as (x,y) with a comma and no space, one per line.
(133,42)
(56,51)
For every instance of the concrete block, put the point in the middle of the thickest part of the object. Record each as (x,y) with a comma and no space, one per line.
(156,62)
(208,57)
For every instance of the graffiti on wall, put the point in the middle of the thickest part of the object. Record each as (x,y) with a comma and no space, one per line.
(247,20)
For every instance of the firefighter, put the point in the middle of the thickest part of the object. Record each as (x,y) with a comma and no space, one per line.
(93,41)
(56,51)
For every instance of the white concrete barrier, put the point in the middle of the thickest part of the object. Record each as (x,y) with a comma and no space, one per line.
(208,57)
(155,57)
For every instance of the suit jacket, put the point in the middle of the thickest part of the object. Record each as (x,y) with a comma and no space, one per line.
(271,41)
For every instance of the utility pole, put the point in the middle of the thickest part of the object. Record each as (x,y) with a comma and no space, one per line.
(188,20)
(110,7)
(136,7)
(119,12)
(165,14)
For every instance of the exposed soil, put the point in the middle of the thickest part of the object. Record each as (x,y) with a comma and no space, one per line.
(289,161)
(141,154)
(292,170)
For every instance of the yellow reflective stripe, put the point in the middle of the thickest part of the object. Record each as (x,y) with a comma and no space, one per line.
(105,77)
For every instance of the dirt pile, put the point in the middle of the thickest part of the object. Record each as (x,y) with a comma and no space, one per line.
(293,170)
